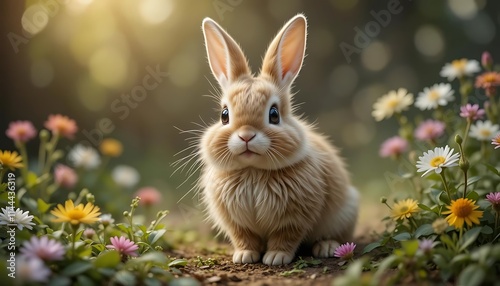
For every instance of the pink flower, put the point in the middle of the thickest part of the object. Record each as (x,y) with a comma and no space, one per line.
(32,270)
(494,199)
(486,60)
(43,248)
(472,112)
(496,141)
(21,131)
(123,245)
(345,251)
(393,147)
(149,196)
(426,245)
(61,125)
(89,233)
(429,130)
(65,176)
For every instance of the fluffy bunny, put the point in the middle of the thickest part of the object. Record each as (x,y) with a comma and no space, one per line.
(270,182)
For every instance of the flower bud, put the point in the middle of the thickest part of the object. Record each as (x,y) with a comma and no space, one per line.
(463,164)
(458,139)
(439,225)
(487,60)
(126,214)
(383,200)
(44,135)
(90,198)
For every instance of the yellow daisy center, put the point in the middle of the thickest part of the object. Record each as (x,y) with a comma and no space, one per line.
(490,77)
(459,65)
(485,132)
(75,215)
(462,208)
(392,103)
(437,161)
(433,95)
(404,209)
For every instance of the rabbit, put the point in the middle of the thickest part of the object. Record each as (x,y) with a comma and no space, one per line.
(269,181)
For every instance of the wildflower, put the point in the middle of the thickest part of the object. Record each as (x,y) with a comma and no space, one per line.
(106,219)
(483,130)
(393,102)
(439,225)
(22,219)
(75,215)
(125,176)
(437,159)
(459,68)
(84,157)
(404,209)
(426,245)
(123,245)
(65,176)
(345,251)
(463,210)
(486,60)
(149,196)
(32,270)
(496,141)
(21,131)
(494,199)
(472,112)
(10,160)
(111,147)
(488,81)
(61,125)
(430,130)
(89,233)
(393,147)
(437,95)
(43,248)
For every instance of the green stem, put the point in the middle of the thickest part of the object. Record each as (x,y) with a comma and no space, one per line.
(466,132)
(494,109)
(24,155)
(445,184)
(73,245)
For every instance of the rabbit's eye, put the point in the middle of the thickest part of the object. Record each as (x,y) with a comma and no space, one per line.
(274,115)
(224,116)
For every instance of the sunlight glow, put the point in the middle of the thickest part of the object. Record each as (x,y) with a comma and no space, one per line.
(155,11)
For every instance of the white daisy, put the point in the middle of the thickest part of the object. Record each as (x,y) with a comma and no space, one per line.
(438,94)
(484,130)
(125,176)
(393,102)
(84,156)
(22,219)
(106,219)
(437,159)
(460,68)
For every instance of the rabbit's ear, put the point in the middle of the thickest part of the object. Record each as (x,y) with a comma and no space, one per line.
(285,54)
(225,57)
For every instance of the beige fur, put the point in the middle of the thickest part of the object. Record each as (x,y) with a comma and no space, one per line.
(292,187)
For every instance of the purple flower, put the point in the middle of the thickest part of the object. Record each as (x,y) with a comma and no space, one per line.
(32,270)
(486,60)
(123,245)
(345,251)
(43,248)
(393,147)
(472,112)
(494,199)
(429,130)
(425,245)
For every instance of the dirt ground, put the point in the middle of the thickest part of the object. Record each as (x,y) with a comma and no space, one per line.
(215,267)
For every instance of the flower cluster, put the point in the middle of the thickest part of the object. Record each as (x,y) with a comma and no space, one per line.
(60,229)
(449,211)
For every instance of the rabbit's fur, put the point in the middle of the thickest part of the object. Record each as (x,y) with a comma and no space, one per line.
(270,182)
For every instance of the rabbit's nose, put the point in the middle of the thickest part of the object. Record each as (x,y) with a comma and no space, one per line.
(246,135)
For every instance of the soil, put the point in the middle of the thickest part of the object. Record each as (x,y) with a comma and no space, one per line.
(217,268)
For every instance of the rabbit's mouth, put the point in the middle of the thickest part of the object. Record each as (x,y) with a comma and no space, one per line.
(249,153)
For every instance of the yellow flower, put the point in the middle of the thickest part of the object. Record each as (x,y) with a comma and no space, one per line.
(463,210)
(111,147)
(404,209)
(10,160)
(76,215)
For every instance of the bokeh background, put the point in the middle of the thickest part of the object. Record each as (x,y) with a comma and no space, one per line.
(81,58)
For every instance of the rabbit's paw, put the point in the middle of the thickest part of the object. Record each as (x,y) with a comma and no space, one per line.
(325,248)
(277,258)
(245,256)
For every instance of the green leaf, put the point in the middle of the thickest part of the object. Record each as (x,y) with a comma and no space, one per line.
(472,275)
(31,180)
(108,259)
(178,263)
(59,281)
(43,207)
(371,246)
(76,268)
(155,235)
(492,169)
(473,180)
(473,196)
(469,237)
(125,277)
(424,230)
(84,281)
(486,229)
(154,257)
(410,247)
(424,207)
(402,236)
